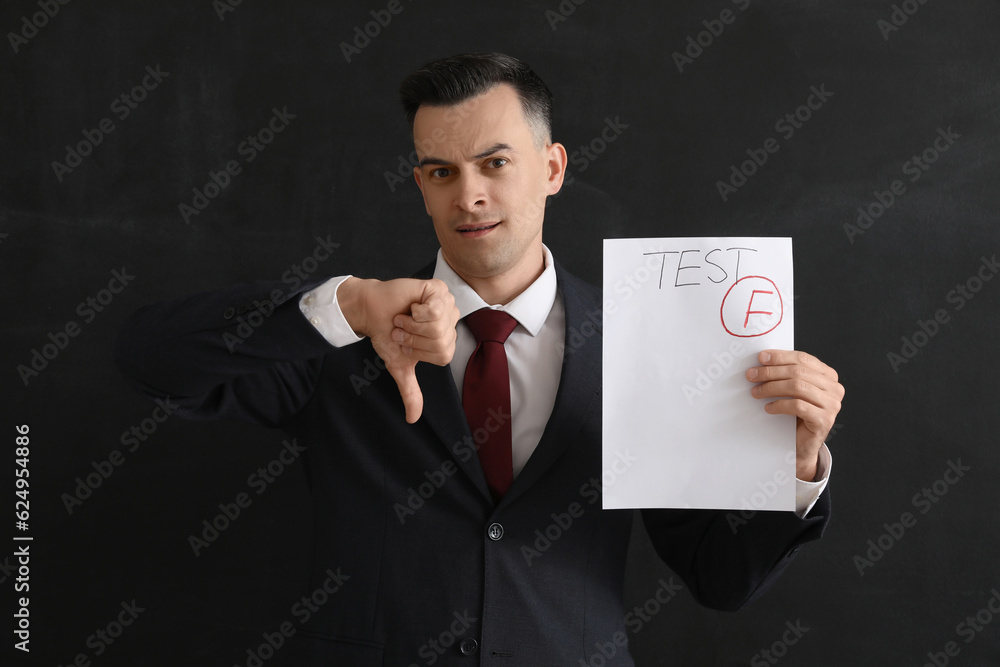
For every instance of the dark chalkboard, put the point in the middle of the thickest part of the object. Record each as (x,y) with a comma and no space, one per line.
(158,149)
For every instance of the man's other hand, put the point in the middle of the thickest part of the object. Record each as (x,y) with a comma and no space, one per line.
(806,388)
(407,320)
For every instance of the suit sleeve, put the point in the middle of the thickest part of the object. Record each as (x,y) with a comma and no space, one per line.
(728,560)
(244,352)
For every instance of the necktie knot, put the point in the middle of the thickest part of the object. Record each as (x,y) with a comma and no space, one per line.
(491,325)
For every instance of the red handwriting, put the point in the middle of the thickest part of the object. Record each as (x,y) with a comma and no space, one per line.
(750,283)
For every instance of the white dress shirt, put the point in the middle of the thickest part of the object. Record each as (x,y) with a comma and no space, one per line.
(534,355)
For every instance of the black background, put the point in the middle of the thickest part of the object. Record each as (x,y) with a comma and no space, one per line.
(325,175)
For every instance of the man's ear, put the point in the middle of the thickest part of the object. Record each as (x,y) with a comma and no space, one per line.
(418,176)
(556,162)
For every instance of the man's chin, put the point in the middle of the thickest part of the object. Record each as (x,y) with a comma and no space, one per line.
(484,264)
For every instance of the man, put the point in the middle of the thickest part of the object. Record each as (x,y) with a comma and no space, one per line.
(462,558)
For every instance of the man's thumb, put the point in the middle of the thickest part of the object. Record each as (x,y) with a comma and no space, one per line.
(409,389)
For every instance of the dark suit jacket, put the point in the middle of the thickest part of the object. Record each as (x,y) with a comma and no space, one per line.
(404,510)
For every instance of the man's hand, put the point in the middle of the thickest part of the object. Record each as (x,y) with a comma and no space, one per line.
(808,389)
(407,321)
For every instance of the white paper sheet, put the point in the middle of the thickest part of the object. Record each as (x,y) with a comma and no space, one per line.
(684,318)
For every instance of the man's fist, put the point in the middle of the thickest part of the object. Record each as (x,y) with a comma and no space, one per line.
(407,320)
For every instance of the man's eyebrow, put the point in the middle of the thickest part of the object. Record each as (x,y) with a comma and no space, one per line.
(433,160)
(495,148)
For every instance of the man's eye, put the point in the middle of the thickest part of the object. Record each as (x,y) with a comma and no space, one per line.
(497,162)
(440,172)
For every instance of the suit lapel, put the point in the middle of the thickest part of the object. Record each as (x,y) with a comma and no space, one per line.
(579,389)
(443,413)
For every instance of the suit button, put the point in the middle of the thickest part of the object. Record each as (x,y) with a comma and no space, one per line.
(495,531)
(469,646)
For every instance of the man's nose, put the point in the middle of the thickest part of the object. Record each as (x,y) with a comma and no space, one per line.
(471,192)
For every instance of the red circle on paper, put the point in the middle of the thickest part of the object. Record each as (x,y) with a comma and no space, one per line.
(722,308)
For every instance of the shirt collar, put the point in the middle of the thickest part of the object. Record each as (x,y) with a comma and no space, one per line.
(530,308)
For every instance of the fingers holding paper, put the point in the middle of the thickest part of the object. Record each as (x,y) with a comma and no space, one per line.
(804,387)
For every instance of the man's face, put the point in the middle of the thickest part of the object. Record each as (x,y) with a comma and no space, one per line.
(484,178)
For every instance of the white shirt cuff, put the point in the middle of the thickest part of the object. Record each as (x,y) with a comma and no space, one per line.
(807,493)
(321,308)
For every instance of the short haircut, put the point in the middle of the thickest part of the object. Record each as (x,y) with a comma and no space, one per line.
(453,80)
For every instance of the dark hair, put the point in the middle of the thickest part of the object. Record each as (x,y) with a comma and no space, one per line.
(453,80)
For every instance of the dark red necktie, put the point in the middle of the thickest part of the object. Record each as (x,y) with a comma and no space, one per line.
(486,397)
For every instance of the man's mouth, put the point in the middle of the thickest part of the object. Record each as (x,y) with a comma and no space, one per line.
(477,228)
